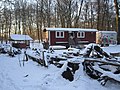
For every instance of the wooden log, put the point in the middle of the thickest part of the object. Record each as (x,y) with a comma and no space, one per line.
(101,61)
(38,60)
(108,74)
(115,54)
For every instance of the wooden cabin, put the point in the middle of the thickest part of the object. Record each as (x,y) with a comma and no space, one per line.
(61,36)
(20,41)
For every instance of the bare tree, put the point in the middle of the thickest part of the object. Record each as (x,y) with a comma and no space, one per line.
(117,19)
(98,14)
(77,17)
(23,17)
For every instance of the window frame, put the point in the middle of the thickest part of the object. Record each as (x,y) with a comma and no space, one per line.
(80,34)
(60,34)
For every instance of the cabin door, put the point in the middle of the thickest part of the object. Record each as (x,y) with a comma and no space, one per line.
(71,39)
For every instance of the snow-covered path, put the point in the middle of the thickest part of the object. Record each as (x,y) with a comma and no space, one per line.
(5,70)
(14,77)
(31,76)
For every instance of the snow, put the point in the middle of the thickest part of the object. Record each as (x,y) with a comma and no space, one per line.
(32,76)
(36,45)
(71,29)
(108,32)
(57,47)
(20,37)
(87,47)
(107,73)
(112,49)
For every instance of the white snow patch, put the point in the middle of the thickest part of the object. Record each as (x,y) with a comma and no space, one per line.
(32,76)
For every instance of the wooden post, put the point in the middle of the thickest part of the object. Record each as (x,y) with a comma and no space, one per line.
(19,60)
(43,55)
(44,60)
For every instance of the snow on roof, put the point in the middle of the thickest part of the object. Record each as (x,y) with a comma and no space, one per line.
(108,31)
(71,29)
(20,37)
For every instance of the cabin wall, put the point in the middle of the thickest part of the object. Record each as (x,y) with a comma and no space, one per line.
(21,44)
(90,37)
(54,40)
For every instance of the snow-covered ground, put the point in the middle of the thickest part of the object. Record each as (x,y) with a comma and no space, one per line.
(112,49)
(32,76)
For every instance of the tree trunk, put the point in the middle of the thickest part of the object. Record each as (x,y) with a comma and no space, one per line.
(98,15)
(78,17)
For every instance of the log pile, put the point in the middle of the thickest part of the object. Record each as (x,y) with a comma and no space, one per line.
(100,65)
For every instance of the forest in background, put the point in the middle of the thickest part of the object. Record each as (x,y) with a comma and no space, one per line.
(31,16)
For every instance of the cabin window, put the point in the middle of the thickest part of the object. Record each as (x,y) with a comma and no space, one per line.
(81,35)
(59,34)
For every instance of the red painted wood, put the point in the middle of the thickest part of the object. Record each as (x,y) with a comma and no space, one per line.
(89,36)
(53,38)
